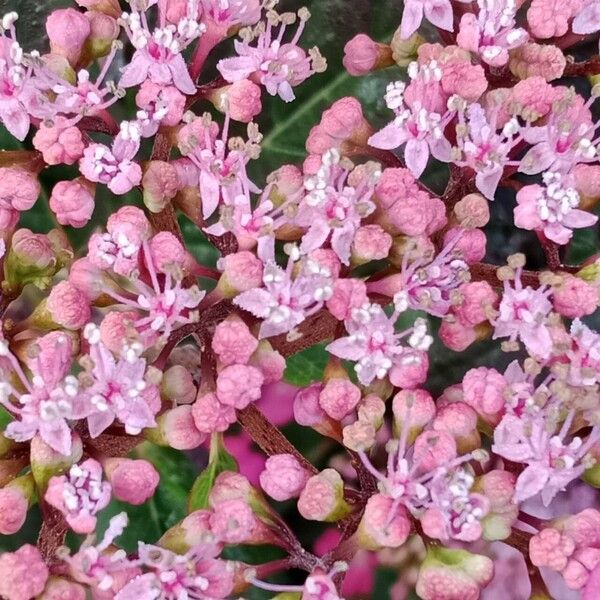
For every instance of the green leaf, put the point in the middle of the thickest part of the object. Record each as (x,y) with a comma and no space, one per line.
(307,366)
(219,461)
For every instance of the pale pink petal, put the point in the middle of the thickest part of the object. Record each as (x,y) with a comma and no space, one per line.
(16,120)
(487,183)
(416,155)
(441,149)
(588,20)
(439,12)
(315,236)
(579,218)
(180,75)
(538,159)
(256,301)
(344,348)
(388,138)
(341,242)
(99,421)
(468,34)
(209,193)
(558,233)
(530,482)
(136,71)
(236,68)
(411,17)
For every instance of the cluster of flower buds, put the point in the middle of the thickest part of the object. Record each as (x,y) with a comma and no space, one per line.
(123,347)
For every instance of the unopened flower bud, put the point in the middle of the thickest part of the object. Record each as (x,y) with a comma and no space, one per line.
(241,99)
(404,51)
(31,259)
(322,499)
(68,30)
(15,499)
(73,201)
(132,481)
(160,183)
(46,462)
(283,477)
(363,55)
(446,569)
(177,385)
(104,30)
(379,528)
(177,429)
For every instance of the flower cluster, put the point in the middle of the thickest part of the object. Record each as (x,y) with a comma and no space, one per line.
(340,358)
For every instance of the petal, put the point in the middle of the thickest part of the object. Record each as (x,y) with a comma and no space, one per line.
(315,236)
(487,183)
(557,233)
(411,18)
(439,13)
(530,482)
(209,193)
(588,20)
(579,218)
(256,301)
(440,149)
(136,71)
(416,155)
(538,159)
(99,421)
(236,68)
(181,76)
(388,138)
(344,348)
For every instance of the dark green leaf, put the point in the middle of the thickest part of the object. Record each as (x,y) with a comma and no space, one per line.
(307,366)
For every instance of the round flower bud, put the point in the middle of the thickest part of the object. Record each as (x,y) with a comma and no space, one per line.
(68,306)
(339,397)
(362,55)
(177,385)
(73,201)
(68,30)
(59,143)
(239,385)
(23,574)
(283,477)
(322,499)
(233,343)
(380,529)
(133,481)
(241,99)
(242,271)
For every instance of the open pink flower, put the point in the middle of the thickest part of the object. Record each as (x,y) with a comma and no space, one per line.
(158,52)
(80,495)
(437,12)
(276,65)
(114,167)
(552,209)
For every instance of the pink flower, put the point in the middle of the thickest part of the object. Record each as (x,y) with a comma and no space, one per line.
(588,19)
(222,176)
(565,140)
(159,105)
(483,149)
(552,209)
(158,53)
(552,461)
(548,19)
(13,509)
(522,314)
(80,495)
(114,167)
(420,119)
(374,344)
(23,573)
(20,98)
(119,388)
(333,207)
(348,294)
(277,66)
(361,54)
(73,202)
(49,400)
(241,100)
(285,302)
(492,33)
(195,573)
(383,525)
